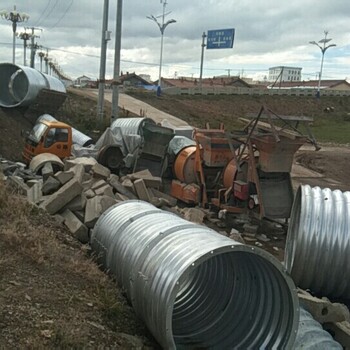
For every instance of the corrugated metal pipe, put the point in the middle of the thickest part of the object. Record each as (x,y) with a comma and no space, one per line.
(193,287)
(311,335)
(131,126)
(78,137)
(318,241)
(19,85)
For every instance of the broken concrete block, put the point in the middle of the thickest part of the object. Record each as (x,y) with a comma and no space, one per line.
(47,171)
(98,184)
(75,226)
(87,162)
(77,203)
(93,211)
(172,201)
(194,215)
(50,186)
(114,182)
(78,171)
(322,310)
(107,202)
(127,183)
(105,190)
(90,194)
(101,172)
(147,177)
(32,182)
(64,176)
(249,228)
(121,197)
(63,196)
(79,214)
(159,202)
(141,190)
(34,193)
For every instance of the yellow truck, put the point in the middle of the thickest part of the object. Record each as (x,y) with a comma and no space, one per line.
(48,137)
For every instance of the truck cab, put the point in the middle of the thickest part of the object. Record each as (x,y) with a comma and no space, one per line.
(48,137)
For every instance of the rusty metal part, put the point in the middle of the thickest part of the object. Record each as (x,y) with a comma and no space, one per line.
(318,241)
(230,173)
(276,156)
(19,85)
(39,161)
(188,193)
(193,287)
(185,165)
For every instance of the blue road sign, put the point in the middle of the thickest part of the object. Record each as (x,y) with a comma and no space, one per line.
(220,38)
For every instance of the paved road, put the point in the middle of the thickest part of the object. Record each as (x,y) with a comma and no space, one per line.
(138,107)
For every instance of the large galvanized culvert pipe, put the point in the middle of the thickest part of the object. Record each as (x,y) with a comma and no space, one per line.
(20,85)
(193,287)
(318,241)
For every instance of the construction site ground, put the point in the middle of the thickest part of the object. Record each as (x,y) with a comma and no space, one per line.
(52,294)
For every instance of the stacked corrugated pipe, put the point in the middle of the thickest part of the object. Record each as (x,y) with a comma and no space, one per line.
(193,287)
(318,241)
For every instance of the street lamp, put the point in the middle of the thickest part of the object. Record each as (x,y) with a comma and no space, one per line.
(15,17)
(25,37)
(162,29)
(323,49)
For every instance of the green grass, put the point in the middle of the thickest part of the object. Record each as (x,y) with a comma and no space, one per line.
(332,128)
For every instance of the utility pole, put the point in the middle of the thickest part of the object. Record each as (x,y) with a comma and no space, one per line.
(25,37)
(228,72)
(106,35)
(117,48)
(41,55)
(33,46)
(202,59)
(46,59)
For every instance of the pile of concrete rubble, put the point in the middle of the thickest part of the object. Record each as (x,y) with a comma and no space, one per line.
(82,190)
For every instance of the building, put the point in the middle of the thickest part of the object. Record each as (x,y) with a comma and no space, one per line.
(313,84)
(283,73)
(215,82)
(83,81)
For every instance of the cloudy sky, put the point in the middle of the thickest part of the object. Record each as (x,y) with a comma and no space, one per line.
(268,33)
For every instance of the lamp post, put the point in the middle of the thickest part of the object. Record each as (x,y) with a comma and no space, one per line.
(25,37)
(15,17)
(323,49)
(162,27)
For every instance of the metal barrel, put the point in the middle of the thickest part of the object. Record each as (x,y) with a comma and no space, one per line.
(193,287)
(78,137)
(131,126)
(311,335)
(20,85)
(318,241)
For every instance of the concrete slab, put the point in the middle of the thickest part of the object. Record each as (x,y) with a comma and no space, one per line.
(64,176)
(101,172)
(50,186)
(87,162)
(141,190)
(62,197)
(75,226)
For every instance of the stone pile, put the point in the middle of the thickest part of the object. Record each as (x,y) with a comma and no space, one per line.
(79,193)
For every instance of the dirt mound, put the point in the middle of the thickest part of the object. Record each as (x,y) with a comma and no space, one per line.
(12,122)
(51,294)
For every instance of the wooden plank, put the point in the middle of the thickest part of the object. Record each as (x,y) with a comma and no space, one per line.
(266,126)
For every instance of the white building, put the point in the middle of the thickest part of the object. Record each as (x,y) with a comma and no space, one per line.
(283,73)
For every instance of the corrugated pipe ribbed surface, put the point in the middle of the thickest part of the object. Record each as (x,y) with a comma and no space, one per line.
(20,85)
(78,137)
(131,126)
(311,335)
(318,241)
(193,287)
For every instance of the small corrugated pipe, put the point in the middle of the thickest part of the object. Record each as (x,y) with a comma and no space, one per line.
(193,287)
(318,241)
(311,335)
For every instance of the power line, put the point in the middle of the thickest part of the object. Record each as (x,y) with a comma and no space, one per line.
(64,14)
(52,8)
(42,14)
